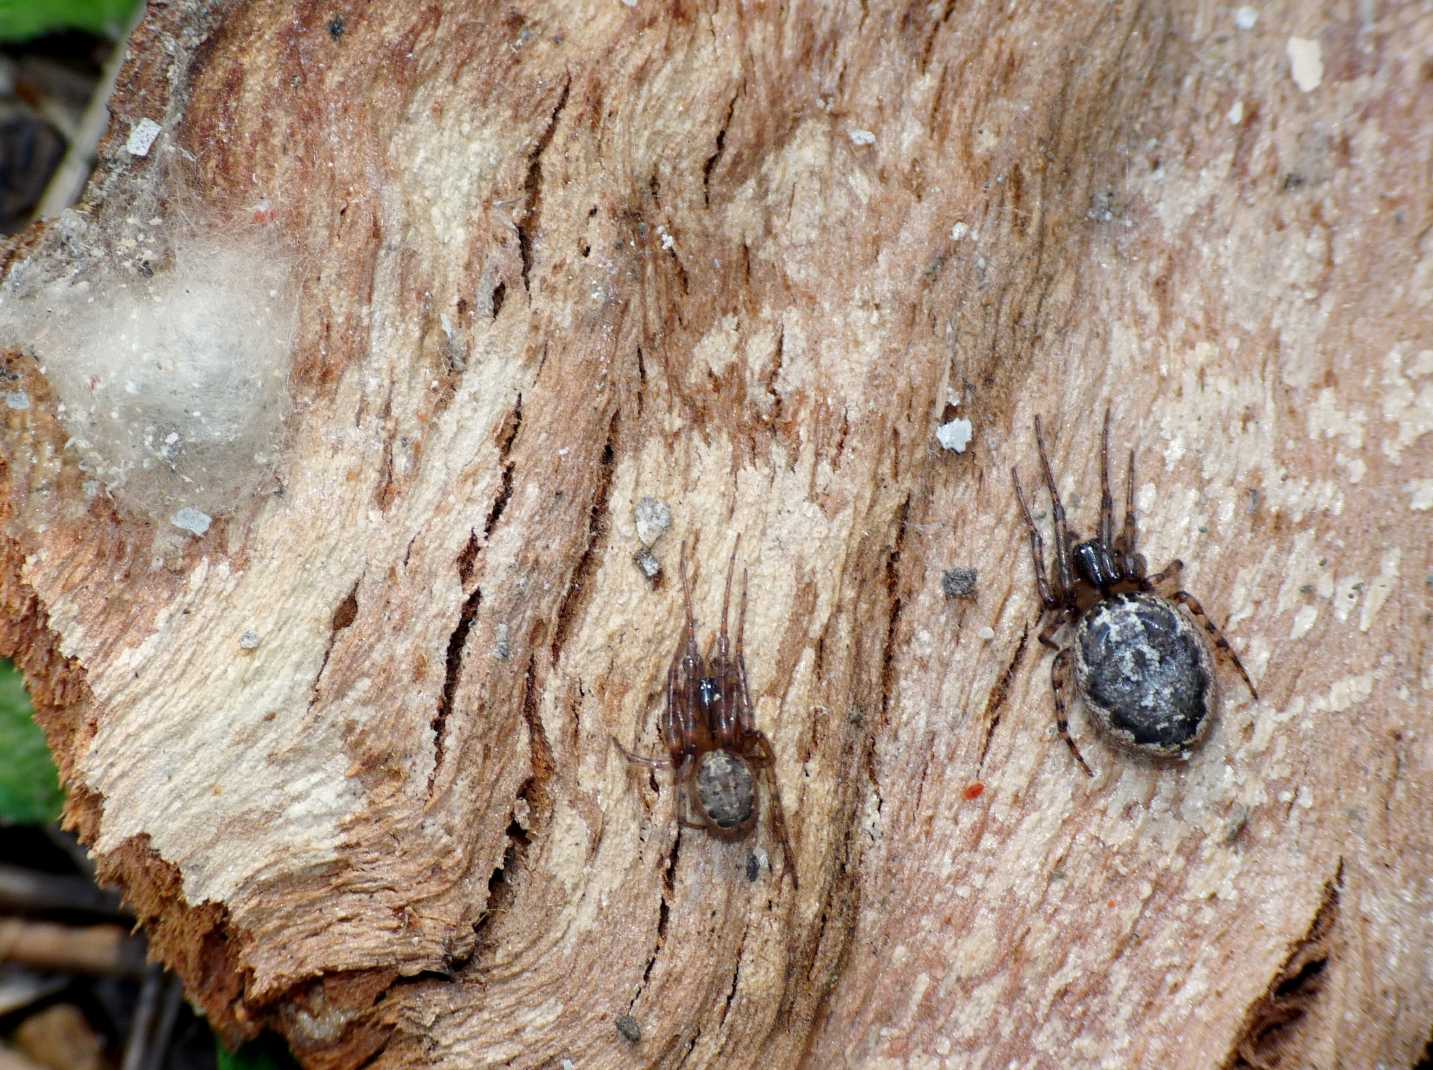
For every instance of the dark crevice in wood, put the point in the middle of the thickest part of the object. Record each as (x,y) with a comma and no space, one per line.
(500,293)
(716,155)
(1271,1026)
(457,641)
(344,614)
(501,891)
(596,528)
(535,790)
(776,361)
(532,189)
(468,559)
(893,620)
(641,380)
(998,694)
(664,911)
(507,434)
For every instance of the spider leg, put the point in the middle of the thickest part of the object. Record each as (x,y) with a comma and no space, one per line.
(759,753)
(1037,548)
(1059,681)
(1047,633)
(1189,602)
(691,645)
(637,759)
(1107,503)
(727,729)
(1132,563)
(1062,533)
(683,797)
(744,722)
(1170,571)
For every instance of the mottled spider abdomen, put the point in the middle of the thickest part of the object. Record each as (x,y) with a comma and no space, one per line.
(725,793)
(1146,674)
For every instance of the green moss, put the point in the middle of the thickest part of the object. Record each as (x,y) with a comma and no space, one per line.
(23,19)
(29,786)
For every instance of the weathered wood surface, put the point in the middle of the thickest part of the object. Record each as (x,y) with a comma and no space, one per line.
(557,257)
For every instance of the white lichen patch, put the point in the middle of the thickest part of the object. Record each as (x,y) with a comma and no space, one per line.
(1408,407)
(173,389)
(1306,63)
(1420,494)
(955,435)
(1379,588)
(1303,621)
(141,137)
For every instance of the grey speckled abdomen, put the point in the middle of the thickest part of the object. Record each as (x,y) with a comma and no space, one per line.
(725,792)
(1145,674)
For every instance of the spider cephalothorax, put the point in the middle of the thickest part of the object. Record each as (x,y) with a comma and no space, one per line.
(1139,663)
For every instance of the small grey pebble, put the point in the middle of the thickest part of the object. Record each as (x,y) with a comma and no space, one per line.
(249,640)
(959,582)
(653,517)
(647,563)
(628,1027)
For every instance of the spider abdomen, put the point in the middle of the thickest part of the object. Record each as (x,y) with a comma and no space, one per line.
(1145,674)
(725,792)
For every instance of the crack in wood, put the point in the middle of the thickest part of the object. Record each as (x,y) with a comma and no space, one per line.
(344,615)
(1271,1025)
(532,189)
(457,641)
(596,528)
(716,155)
(995,702)
(507,434)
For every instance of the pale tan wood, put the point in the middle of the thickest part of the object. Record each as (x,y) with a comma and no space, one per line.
(744,259)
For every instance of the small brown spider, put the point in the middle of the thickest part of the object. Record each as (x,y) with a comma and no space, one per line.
(1139,664)
(710,731)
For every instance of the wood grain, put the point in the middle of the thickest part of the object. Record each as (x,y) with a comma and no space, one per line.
(746,259)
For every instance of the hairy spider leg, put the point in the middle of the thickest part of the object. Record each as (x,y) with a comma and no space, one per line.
(1037,549)
(760,754)
(1189,602)
(746,715)
(637,759)
(1059,681)
(1107,503)
(1169,572)
(1062,533)
(682,782)
(689,728)
(727,726)
(1133,563)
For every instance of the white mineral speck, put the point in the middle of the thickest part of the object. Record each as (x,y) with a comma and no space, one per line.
(19,401)
(959,231)
(191,520)
(1236,113)
(653,518)
(954,435)
(986,633)
(249,640)
(1245,18)
(1306,63)
(141,137)
(862,137)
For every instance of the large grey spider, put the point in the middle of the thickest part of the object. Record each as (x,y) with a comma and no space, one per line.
(1140,665)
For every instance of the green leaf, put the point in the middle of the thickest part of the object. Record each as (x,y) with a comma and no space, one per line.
(22,19)
(266,1053)
(29,786)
